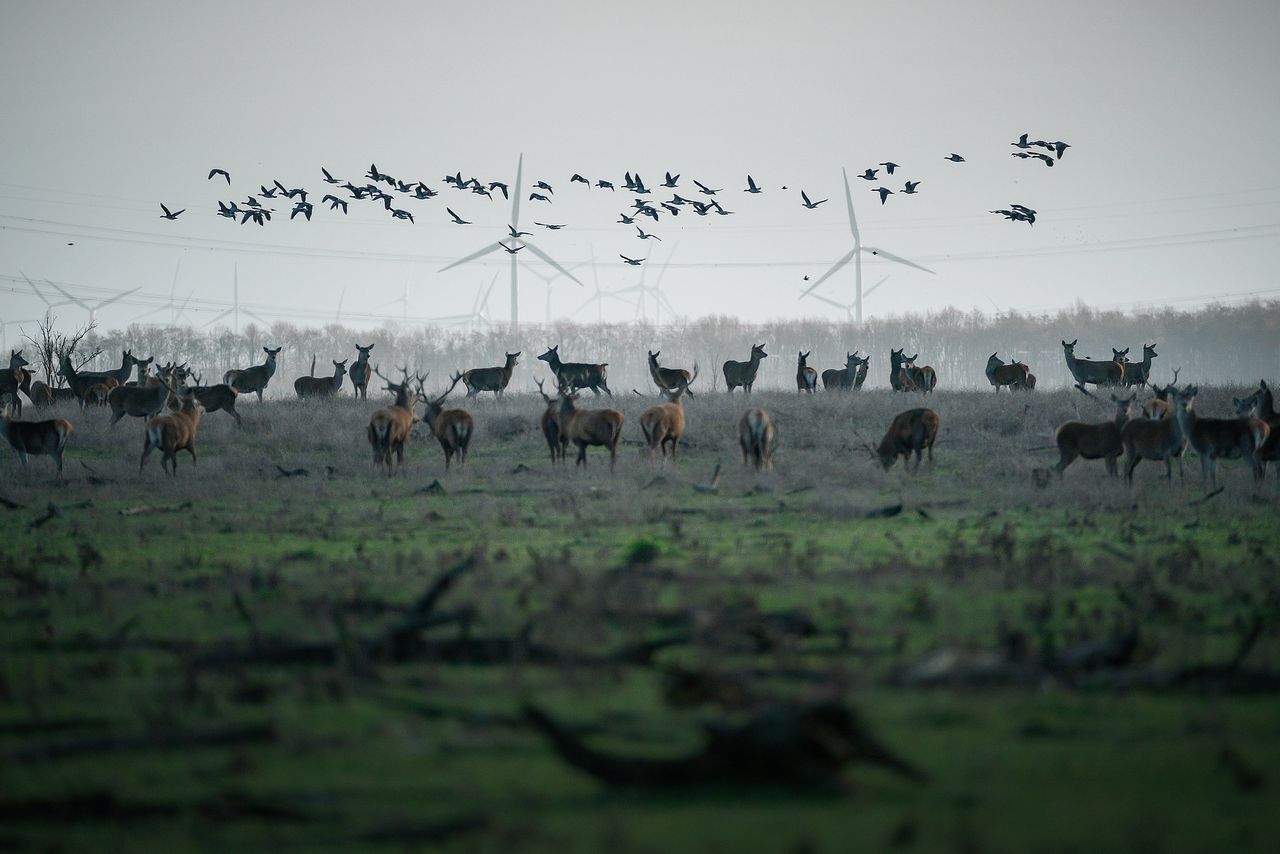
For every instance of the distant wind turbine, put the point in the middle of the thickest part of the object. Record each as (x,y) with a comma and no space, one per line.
(479,314)
(549,280)
(92,309)
(235,311)
(600,296)
(646,293)
(4,338)
(855,255)
(176,310)
(48,303)
(850,308)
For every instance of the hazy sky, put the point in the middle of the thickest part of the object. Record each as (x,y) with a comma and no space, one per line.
(109,109)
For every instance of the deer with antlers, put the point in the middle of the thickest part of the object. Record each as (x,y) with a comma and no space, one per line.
(663,425)
(589,427)
(850,377)
(389,427)
(806,377)
(36,438)
(360,373)
(313,386)
(1082,440)
(668,379)
(490,379)
(453,428)
(757,439)
(744,373)
(1161,406)
(254,379)
(1219,438)
(572,376)
(1012,376)
(557,441)
(143,401)
(1088,371)
(913,431)
(173,432)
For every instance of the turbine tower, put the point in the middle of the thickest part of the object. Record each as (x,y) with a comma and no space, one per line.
(235,310)
(855,255)
(176,309)
(479,315)
(515,264)
(850,307)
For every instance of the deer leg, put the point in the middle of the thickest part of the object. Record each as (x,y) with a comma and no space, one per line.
(192,451)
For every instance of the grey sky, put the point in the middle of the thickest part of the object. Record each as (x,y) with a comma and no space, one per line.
(109,109)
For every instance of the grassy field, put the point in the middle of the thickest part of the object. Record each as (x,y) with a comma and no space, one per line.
(235,659)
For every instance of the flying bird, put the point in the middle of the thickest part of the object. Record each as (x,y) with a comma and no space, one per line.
(910,187)
(623,219)
(252,202)
(579,180)
(1059,147)
(1029,213)
(704,189)
(516,235)
(1015,216)
(397,213)
(543,185)
(869,175)
(223,172)
(551,226)
(605,185)
(639,186)
(634,262)
(670,208)
(229,211)
(267,193)
(671,180)
(1022,142)
(329,179)
(481,191)
(651,212)
(645,236)
(751,185)
(498,185)
(808,204)
(1044,158)
(303,208)
(719,209)
(538,197)
(167,214)
(510,250)
(457,219)
(889,166)
(884,192)
(335,203)
(954,158)
(700,209)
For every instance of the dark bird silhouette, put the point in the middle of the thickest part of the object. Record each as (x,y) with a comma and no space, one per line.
(167,214)
(1021,155)
(551,226)
(303,208)
(1029,213)
(335,203)
(910,187)
(719,209)
(954,158)
(808,204)
(252,202)
(884,192)
(516,235)
(889,166)
(645,236)
(1044,158)
(223,172)
(329,179)
(538,197)
(639,186)
(671,181)
(1060,148)
(623,219)
(700,208)
(649,212)
(869,175)
(543,185)
(678,199)
(260,216)
(422,191)
(510,250)
(481,191)
(457,219)
(1022,142)
(605,185)
(397,213)
(229,211)
(751,185)
(628,181)
(806,278)
(578,179)
(705,190)
(297,193)
(356,192)
(1015,216)
(498,185)
(634,262)
(670,208)
(267,193)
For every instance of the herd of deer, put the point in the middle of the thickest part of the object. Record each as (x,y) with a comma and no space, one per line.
(172,406)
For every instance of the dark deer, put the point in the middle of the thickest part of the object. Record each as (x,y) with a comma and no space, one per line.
(757,439)
(1219,438)
(141,401)
(912,431)
(1136,373)
(1086,371)
(663,425)
(16,379)
(668,379)
(1081,440)
(171,433)
(1262,405)
(81,381)
(453,428)
(572,376)
(360,373)
(851,376)
(806,377)
(143,374)
(314,386)
(490,379)
(586,427)
(1161,406)
(557,441)
(389,427)
(35,438)
(744,373)
(254,379)
(216,397)
(1013,376)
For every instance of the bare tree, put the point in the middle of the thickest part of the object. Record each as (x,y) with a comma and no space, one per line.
(51,345)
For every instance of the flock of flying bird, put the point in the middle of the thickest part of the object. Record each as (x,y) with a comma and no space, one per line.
(390,192)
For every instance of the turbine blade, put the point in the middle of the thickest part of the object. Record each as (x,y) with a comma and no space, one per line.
(848,256)
(848,200)
(69,297)
(881,253)
(871,289)
(549,260)
(479,253)
(108,302)
(226,313)
(821,298)
(36,290)
(515,197)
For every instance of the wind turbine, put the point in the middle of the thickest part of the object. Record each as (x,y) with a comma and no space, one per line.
(4,338)
(515,263)
(402,300)
(653,292)
(479,315)
(175,310)
(855,255)
(235,310)
(550,280)
(849,308)
(92,309)
(48,303)
(337,316)
(600,296)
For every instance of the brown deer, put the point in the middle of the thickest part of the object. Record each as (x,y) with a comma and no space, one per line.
(1262,405)
(43,394)
(143,373)
(36,438)
(314,386)
(1081,440)
(912,431)
(453,428)
(586,427)
(1013,376)
(911,378)
(806,377)
(490,379)
(216,397)
(1086,371)
(254,379)
(1136,373)
(143,401)
(757,439)
(744,373)
(1161,406)
(668,379)
(81,381)
(173,432)
(663,425)
(1219,438)
(851,376)
(360,373)
(572,376)
(1153,439)
(389,427)
(557,441)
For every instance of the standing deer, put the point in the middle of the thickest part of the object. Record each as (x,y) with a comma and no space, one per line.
(81,381)
(254,379)
(1086,371)
(389,427)
(359,372)
(668,379)
(1013,375)
(586,427)
(744,373)
(1262,405)
(663,424)
(171,433)
(1161,405)
(314,386)
(36,438)
(143,374)
(557,441)
(1219,438)
(215,397)
(490,379)
(910,432)
(453,428)
(1136,373)
(16,379)
(851,376)
(806,377)
(571,376)
(141,401)
(911,378)
(757,439)
(1077,439)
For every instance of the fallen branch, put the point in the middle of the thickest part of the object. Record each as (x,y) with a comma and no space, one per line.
(146,509)
(1206,498)
(714,486)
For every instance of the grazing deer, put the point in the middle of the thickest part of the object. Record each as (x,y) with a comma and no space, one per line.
(1136,373)
(490,379)
(668,379)
(1077,439)
(663,424)
(1013,375)
(1161,406)
(757,439)
(851,376)
(557,441)
(453,428)
(16,379)
(1086,371)
(586,427)
(806,377)
(81,381)
(254,379)
(216,397)
(43,394)
(314,386)
(360,373)
(36,438)
(173,432)
(142,401)
(572,376)
(911,378)
(389,427)
(912,431)
(744,373)
(1219,438)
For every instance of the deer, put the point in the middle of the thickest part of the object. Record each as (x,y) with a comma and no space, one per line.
(910,432)
(141,401)
(1153,439)
(587,427)
(744,373)
(572,376)
(1087,371)
(911,378)
(757,439)
(557,441)
(1082,440)
(173,432)
(851,376)
(143,373)
(389,427)
(1013,375)
(254,379)
(1219,438)
(313,386)
(1136,373)
(668,379)
(453,428)
(16,379)
(806,377)
(216,397)
(1160,405)
(663,425)
(1262,405)
(81,381)
(359,372)
(36,438)
(490,379)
